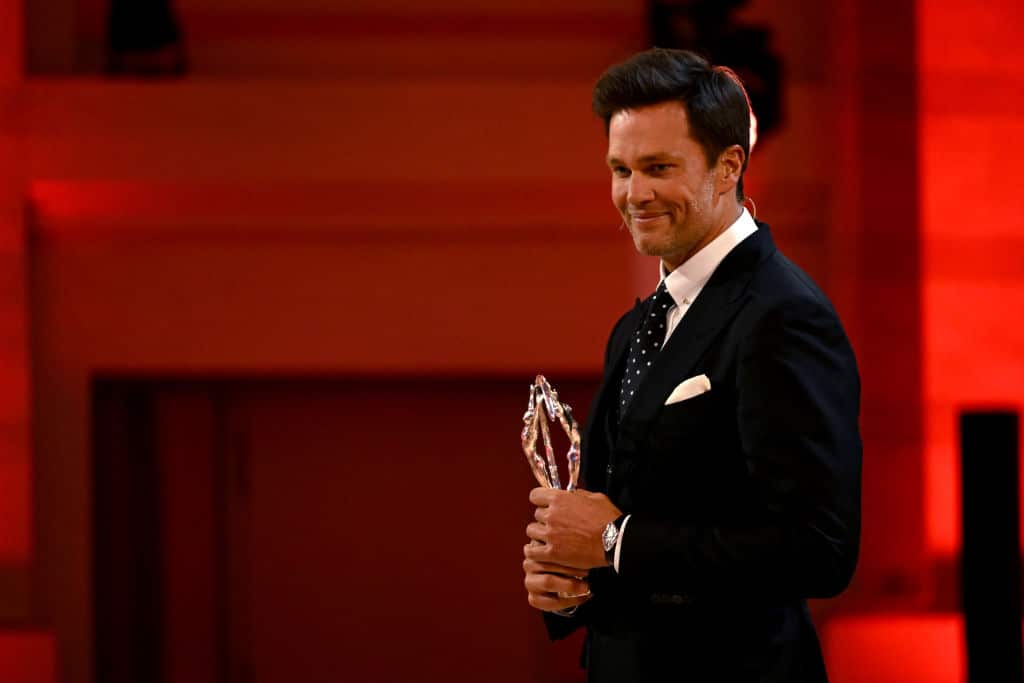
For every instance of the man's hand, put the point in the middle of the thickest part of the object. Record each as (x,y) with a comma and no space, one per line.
(569,527)
(545,582)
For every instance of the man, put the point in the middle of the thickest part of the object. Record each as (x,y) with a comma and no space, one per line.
(722,457)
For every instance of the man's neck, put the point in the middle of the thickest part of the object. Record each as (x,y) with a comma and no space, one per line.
(735,210)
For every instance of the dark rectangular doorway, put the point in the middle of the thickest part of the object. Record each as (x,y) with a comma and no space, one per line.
(315,530)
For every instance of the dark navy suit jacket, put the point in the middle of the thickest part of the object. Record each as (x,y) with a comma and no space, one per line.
(745,500)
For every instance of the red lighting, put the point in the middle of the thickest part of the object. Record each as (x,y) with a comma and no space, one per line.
(896,649)
(27,657)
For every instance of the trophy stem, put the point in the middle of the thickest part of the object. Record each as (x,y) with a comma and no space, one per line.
(549,452)
(529,440)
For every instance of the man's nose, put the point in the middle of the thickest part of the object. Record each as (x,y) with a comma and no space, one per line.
(640,189)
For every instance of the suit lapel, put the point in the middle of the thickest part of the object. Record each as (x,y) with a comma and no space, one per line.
(714,307)
(620,345)
(597,420)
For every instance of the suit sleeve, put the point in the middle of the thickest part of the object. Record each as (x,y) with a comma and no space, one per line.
(797,409)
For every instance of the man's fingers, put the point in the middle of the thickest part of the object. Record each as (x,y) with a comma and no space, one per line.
(550,603)
(538,532)
(535,567)
(550,586)
(536,551)
(553,585)
(542,496)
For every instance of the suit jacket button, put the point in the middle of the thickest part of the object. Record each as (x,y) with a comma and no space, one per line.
(608,470)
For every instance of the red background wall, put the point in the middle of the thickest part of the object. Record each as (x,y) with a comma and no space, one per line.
(254,218)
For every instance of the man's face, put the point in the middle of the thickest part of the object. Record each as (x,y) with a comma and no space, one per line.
(661,183)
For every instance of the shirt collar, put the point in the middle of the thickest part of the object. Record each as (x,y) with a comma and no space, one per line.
(685,282)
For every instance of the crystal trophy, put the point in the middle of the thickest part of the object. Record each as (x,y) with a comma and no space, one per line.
(543,403)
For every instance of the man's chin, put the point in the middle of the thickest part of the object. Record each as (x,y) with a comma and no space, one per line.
(648,247)
(671,256)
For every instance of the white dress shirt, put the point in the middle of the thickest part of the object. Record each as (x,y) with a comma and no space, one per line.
(685,283)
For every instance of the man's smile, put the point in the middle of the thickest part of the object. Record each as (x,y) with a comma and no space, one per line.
(641,219)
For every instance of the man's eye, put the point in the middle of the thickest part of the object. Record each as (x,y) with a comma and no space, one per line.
(620,171)
(660,168)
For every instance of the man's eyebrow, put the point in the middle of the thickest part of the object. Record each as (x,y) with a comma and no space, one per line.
(646,159)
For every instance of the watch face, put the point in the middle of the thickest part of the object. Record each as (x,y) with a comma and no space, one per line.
(609,536)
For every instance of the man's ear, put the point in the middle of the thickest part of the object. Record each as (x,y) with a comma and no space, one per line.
(729,169)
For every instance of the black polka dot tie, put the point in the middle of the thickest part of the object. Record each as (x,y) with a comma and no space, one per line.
(646,342)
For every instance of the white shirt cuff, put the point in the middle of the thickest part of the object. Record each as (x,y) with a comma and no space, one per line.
(618,543)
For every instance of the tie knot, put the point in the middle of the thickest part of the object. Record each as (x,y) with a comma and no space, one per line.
(661,300)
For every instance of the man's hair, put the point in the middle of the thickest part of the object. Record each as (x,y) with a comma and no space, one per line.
(717,106)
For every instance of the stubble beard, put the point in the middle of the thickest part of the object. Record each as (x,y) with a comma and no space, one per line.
(672,246)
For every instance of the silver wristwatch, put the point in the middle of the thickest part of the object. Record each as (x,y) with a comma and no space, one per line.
(610,537)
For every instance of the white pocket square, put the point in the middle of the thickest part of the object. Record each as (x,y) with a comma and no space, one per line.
(695,386)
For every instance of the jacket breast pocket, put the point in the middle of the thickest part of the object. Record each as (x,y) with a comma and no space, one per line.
(687,427)
(687,415)
(690,456)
